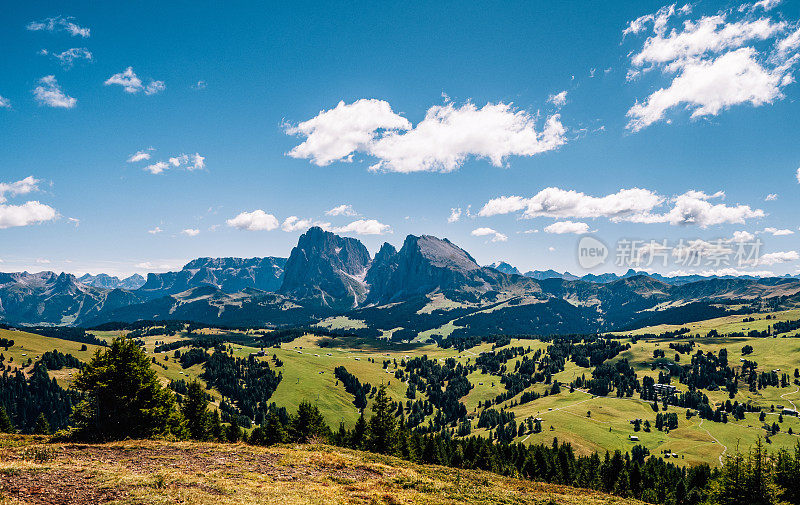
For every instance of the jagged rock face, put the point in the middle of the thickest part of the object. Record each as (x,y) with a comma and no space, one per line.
(540,275)
(383,266)
(505,268)
(106,281)
(327,270)
(426,264)
(231,275)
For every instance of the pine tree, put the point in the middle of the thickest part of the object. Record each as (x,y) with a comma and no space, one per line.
(233,433)
(195,410)
(42,427)
(787,469)
(274,432)
(381,431)
(307,424)
(124,398)
(215,426)
(759,483)
(5,422)
(358,436)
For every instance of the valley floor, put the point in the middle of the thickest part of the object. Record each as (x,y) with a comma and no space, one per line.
(151,472)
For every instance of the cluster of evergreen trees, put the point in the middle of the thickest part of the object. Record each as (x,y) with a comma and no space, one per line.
(28,402)
(353,386)
(247,382)
(56,360)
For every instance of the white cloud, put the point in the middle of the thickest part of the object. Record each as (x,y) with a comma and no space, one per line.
(778,233)
(560,203)
(633,205)
(155,231)
(789,43)
(26,214)
(198,162)
(31,212)
(364,227)
(140,155)
(441,142)
(189,162)
(154,87)
(712,62)
(179,160)
(563,227)
(294,223)
(798,175)
(771,197)
(49,93)
(694,207)
(191,232)
(157,168)
(128,79)
(257,220)
(342,210)
(658,20)
(708,87)
(131,83)
(147,265)
(21,187)
(59,23)
(200,85)
(455,215)
(743,236)
(710,34)
(560,99)
(778,257)
(551,249)
(767,5)
(5,103)
(335,134)
(489,232)
(70,56)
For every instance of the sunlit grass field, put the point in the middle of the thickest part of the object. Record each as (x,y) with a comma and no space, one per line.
(588,423)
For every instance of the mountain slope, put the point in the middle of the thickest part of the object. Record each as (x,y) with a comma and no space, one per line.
(218,474)
(327,270)
(50,298)
(426,264)
(231,275)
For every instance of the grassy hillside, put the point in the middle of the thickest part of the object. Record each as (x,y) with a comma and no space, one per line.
(588,423)
(147,472)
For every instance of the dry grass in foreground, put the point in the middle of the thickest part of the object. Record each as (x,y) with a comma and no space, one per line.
(198,473)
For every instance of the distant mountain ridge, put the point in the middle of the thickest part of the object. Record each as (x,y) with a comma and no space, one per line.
(230,275)
(106,281)
(426,284)
(611,277)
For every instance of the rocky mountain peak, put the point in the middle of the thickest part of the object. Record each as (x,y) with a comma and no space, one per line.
(327,269)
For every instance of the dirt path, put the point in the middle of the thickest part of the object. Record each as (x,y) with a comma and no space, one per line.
(725,447)
(789,400)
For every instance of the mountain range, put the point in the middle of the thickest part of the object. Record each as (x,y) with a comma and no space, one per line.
(428,287)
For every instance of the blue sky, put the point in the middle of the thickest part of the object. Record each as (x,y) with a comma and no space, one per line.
(242,91)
